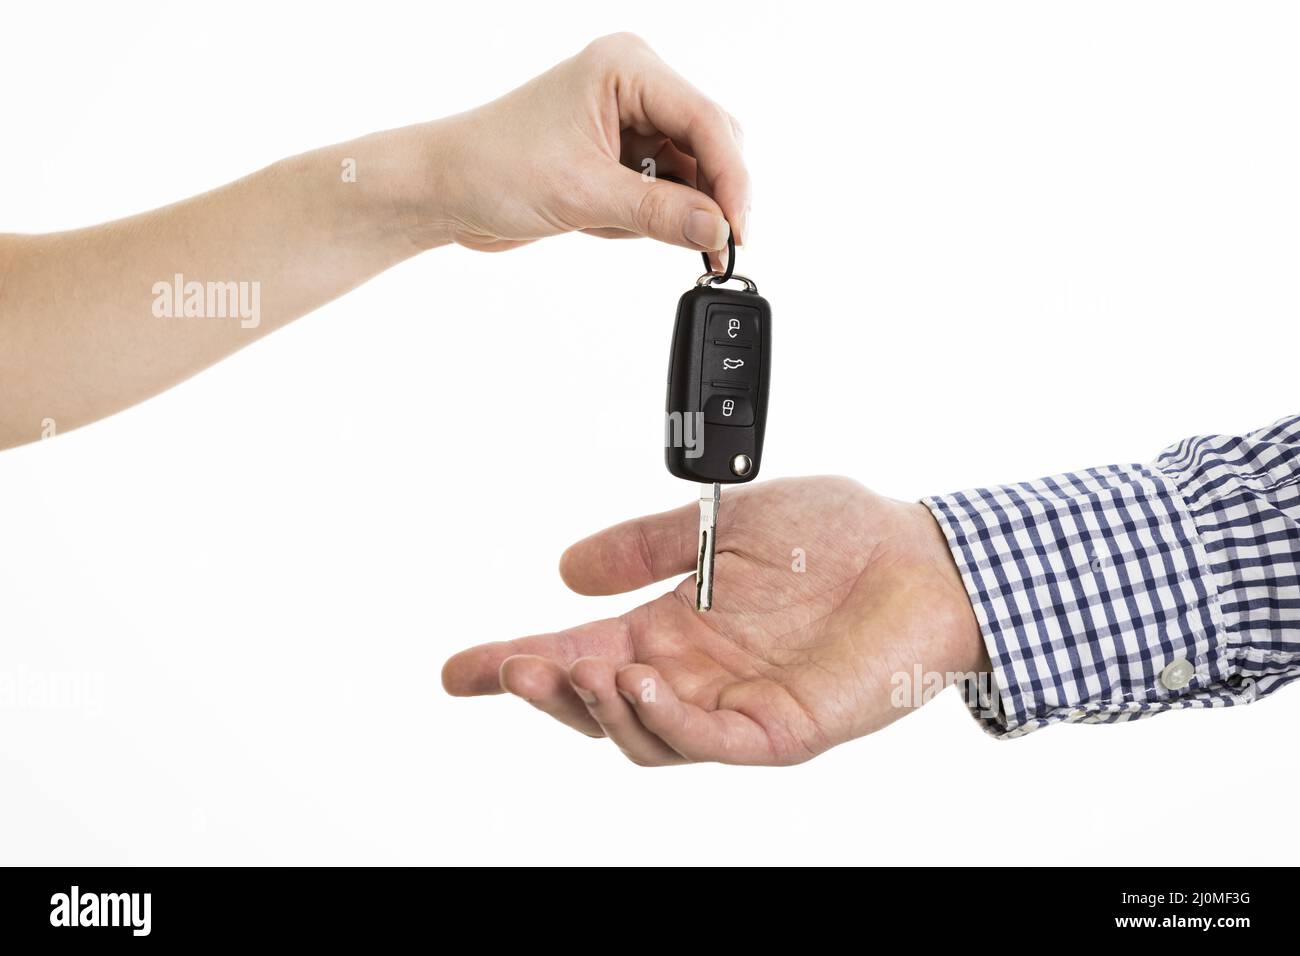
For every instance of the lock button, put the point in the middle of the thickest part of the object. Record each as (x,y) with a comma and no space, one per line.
(729,410)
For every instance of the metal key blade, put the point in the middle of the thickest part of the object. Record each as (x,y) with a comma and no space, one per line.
(710,501)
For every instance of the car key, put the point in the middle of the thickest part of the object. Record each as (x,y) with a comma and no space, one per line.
(718,375)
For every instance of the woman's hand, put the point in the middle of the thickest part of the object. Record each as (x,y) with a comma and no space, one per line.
(789,662)
(579,148)
(97,319)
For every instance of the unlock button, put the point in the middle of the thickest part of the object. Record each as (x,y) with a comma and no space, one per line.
(729,410)
(734,325)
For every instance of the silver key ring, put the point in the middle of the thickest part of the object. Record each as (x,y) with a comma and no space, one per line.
(717,278)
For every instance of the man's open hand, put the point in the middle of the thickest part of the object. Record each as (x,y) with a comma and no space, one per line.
(787,664)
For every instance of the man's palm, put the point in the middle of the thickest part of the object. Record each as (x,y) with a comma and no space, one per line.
(823,591)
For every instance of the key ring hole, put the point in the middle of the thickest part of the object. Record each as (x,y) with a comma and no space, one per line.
(713,279)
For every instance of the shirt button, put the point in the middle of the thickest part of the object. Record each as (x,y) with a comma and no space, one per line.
(1177,675)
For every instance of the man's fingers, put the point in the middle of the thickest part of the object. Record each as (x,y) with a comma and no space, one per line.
(592,679)
(633,554)
(725,736)
(477,670)
(545,685)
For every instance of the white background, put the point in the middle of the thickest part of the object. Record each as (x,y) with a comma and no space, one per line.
(1001,240)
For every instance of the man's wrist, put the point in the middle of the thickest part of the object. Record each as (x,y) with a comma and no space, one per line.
(953,616)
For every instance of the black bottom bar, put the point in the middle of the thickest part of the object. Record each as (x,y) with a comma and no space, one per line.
(1001,906)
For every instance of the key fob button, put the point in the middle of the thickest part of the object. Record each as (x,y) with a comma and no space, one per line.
(732,324)
(729,410)
(730,364)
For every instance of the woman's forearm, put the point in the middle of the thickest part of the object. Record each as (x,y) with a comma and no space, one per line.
(97,319)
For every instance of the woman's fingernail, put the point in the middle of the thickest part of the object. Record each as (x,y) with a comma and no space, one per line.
(705,229)
(627,697)
(746,227)
(587,696)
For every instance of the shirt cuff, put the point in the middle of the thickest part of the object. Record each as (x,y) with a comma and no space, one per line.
(1095,596)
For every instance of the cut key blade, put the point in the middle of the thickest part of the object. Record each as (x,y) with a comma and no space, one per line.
(710,502)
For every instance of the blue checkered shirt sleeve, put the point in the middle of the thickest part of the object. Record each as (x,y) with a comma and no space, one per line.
(1119,592)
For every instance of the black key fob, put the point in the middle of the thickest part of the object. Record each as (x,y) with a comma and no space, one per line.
(718,377)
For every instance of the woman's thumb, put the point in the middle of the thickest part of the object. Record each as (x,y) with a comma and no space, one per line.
(660,210)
